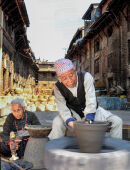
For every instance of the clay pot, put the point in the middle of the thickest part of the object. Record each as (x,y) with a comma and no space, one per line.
(38,131)
(90,136)
(34,151)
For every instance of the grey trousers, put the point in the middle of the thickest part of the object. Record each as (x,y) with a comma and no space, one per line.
(59,127)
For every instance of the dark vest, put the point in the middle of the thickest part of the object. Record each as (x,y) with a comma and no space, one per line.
(75,103)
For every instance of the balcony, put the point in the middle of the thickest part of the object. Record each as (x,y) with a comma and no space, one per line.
(46,70)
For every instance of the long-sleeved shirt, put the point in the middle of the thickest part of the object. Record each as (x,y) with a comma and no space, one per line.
(13,124)
(90,96)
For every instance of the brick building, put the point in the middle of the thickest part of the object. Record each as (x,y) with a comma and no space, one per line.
(46,75)
(104,50)
(18,68)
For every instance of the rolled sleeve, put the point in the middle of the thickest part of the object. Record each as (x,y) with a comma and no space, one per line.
(69,120)
(89,94)
(90,116)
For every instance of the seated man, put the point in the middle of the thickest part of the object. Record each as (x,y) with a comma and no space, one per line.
(76,100)
(15,122)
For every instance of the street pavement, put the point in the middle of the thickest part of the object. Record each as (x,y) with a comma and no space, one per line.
(124,114)
(46,117)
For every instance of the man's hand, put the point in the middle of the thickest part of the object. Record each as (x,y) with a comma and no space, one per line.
(71,124)
(88,121)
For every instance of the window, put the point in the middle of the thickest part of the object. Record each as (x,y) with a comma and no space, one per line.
(109,31)
(53,74)
(110,63)
(110,83)
(96,66)
(8,28)
(96,45)
(42,76)
(9,81)
(129,82)
(80,59)
(49,76)
(4,78)
(128,21)
(128,51)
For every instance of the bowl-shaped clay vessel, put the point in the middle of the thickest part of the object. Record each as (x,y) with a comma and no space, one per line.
(90,136)
(38,131)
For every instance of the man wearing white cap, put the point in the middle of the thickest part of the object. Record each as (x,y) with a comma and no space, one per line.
(76,100)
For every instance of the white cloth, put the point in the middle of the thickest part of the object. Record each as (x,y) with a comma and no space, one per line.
(105,115)
(58,125)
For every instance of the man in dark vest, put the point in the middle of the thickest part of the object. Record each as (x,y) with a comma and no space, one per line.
(76,100)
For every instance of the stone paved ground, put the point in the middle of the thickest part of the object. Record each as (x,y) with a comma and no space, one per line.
(46,117)
(124,114)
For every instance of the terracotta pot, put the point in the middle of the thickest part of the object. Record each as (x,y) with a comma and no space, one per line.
(38,131)
(90,136)
(34,151)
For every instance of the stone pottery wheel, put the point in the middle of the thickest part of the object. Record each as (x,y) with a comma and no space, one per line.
(90,136)
(34,151)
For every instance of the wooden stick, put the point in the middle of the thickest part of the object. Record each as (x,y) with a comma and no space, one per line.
(6,160)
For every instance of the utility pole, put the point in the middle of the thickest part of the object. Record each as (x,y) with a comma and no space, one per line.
(1,42)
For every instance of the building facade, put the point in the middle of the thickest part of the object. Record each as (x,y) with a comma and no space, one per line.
(46,76)
(105,48)
(18,68)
